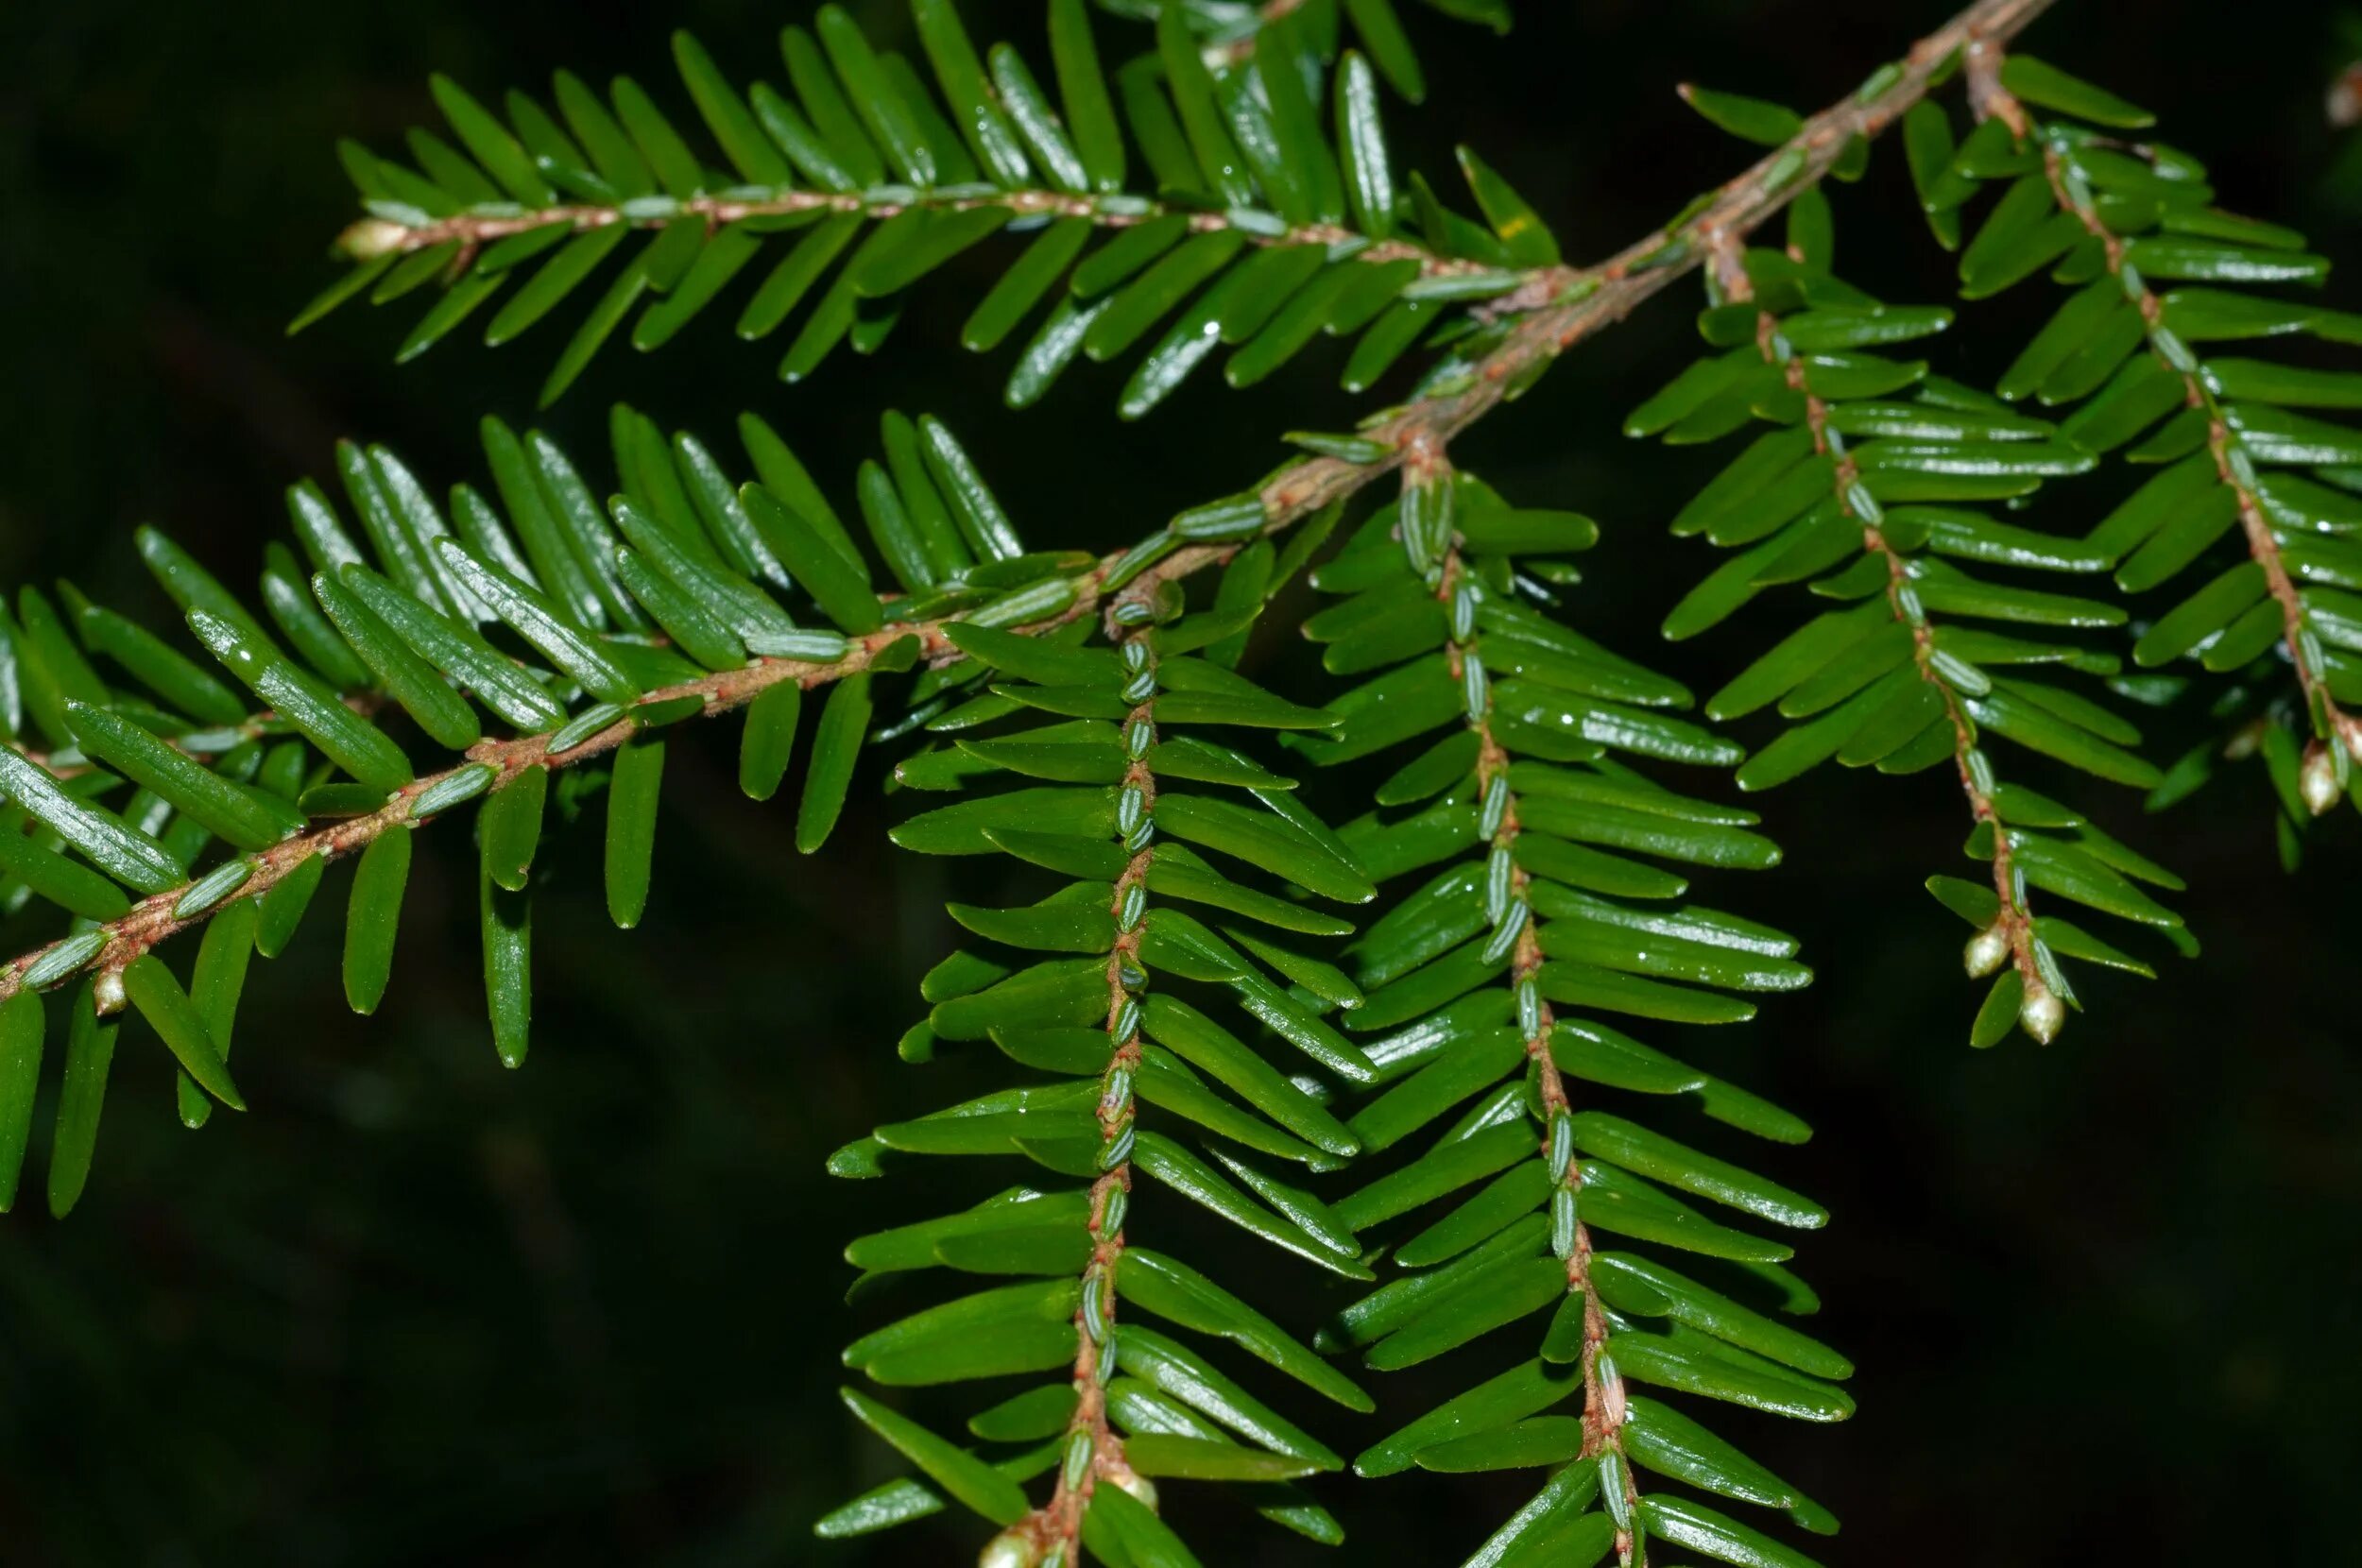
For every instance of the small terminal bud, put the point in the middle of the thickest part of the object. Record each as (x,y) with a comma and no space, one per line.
(2317,783)
(1988,950)
(2345,98)
(371,238)
(2041,1015)
(1009,1549)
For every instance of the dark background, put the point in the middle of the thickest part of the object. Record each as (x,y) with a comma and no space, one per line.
(417,1307)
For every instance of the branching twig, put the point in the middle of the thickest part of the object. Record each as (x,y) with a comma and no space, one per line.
(1562,306)
(1565,305)
(153,919)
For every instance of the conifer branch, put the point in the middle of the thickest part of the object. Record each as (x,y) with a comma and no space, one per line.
(1094,1448)
(1556,309)
(1602,1402)
(1559,307)
(1990,99)
(2011,934)
(373,237)
(158,917)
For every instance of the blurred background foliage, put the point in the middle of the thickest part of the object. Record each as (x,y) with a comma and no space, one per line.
(2104,1296)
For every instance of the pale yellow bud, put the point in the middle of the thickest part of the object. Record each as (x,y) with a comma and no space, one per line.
(1008,1550)
(1141,1487)
(372,238)
(2317,783)
(107,992)
(1988,950)
(2344,104)
(2041,1015)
